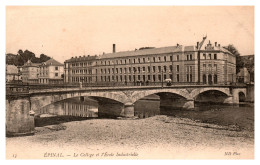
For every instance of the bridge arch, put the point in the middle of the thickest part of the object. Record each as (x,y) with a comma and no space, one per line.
(238,93)
(194,93)
(38,102)
(241,97)
(141,94)
(109,95)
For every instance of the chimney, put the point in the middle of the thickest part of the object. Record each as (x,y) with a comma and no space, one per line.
(197,45)
(216,44)
(177,45)
(114,48)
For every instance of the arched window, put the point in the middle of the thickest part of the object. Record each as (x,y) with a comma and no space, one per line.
(241,96)
(204,79)
(210,79)
(215,79)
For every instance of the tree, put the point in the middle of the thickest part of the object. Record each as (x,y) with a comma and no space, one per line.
(44,58)
(23,56)
(239,62)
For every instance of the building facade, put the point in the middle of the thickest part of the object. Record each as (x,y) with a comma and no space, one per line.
(79,69)
(202,63)
(51,72)
(13,74)
(30,72)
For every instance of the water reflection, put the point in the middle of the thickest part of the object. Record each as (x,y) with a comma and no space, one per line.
(147,107)
(71,107)
(77,109)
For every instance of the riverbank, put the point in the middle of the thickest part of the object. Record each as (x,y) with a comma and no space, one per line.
(158,137)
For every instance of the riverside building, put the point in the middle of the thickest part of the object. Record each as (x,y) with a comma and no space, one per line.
(203,63)
(51,72)
(30,72)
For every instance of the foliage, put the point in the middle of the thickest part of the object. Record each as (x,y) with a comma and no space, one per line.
(239,62)
(23,56)
(146,48)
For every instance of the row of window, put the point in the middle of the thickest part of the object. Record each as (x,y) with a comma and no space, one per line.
(189,57)
(209,56)
(46,68)
(83,71)
(128,78)
(129,70)
(210,79)
(215,67)
(138,69)
(82,64)
(46,73)
(138,60)
(134,61)
(135,70)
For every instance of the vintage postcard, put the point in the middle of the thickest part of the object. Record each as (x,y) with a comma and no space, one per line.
(129,82)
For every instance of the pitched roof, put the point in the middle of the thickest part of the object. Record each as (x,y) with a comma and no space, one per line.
(53,62)
(84,58)
(189,48)
(149,51)
(29,63)
(162,50)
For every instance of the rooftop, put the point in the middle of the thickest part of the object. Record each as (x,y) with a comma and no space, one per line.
(151,51)
(81,58)
(53,62)
(29,63)
(162,50)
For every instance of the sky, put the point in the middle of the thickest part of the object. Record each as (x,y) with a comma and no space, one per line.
(67,31)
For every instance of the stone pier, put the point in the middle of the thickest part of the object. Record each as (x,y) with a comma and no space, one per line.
(18,119)
(177,102)
(129,110)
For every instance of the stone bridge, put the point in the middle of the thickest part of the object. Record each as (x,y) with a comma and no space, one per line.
(22,105)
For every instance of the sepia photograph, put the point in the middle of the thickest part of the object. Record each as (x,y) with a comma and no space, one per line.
(130,82)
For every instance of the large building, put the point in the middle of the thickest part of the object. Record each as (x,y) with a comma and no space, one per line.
(79,69)
(30,72)
(51,72)
(204,63)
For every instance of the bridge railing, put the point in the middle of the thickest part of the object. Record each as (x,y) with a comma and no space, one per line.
(23,88)
(27,88)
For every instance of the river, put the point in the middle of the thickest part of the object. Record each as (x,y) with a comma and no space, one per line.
(241,116)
